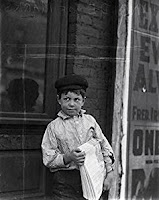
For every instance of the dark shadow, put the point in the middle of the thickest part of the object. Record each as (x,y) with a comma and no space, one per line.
(22,94)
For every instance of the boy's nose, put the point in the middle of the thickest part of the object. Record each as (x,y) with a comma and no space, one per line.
(71,103)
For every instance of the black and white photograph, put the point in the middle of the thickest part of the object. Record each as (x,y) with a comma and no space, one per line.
(79,100)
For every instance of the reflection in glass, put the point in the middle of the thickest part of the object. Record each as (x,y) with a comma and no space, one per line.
(23,43)
(22,94)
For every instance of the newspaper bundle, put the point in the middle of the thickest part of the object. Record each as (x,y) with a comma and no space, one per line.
(93,171)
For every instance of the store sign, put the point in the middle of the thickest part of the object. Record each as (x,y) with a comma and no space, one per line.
(143,132)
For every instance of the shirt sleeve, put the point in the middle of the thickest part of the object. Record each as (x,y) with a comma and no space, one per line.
(107,150)
(52,157)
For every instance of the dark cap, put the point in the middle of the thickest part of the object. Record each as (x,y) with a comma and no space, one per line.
(72,81)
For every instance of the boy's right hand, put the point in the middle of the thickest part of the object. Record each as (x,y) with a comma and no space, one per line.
(77,156)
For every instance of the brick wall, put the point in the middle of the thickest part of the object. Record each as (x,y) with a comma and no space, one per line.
(91,53)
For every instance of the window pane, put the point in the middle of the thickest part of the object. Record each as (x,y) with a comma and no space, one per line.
(23,27)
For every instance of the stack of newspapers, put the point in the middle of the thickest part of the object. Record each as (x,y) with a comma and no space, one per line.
(93,171)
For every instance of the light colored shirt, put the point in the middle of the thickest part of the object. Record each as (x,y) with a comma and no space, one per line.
(66,133)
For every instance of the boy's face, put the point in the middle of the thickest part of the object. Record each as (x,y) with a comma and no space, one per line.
(71,103)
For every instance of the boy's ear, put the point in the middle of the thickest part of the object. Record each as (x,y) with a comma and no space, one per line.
(84,99)
(58,99)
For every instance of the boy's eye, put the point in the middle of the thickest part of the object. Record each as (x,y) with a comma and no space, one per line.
(77,99)
(66,98)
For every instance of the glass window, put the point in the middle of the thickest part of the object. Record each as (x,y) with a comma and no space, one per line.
(23,26)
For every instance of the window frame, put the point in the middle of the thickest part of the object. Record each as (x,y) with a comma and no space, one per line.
(55,61)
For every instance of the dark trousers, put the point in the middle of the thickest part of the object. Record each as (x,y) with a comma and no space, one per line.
(67,186)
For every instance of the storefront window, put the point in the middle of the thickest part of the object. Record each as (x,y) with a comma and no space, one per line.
(23,27)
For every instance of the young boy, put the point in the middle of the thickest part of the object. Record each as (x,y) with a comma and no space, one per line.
(66,133)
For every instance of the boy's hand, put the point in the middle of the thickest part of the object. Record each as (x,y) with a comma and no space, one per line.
(108,181)
(77,156)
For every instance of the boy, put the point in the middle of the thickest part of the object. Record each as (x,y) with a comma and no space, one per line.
(66,133)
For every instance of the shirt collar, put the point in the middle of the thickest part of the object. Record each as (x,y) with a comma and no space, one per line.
(64,116)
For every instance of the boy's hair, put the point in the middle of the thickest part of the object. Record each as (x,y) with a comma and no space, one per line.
(81,92)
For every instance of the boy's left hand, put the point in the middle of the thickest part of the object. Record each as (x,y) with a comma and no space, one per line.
(108,181)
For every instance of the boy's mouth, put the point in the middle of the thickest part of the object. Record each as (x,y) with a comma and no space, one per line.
(71,110)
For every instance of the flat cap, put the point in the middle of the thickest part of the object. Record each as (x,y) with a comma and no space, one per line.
(72,81)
